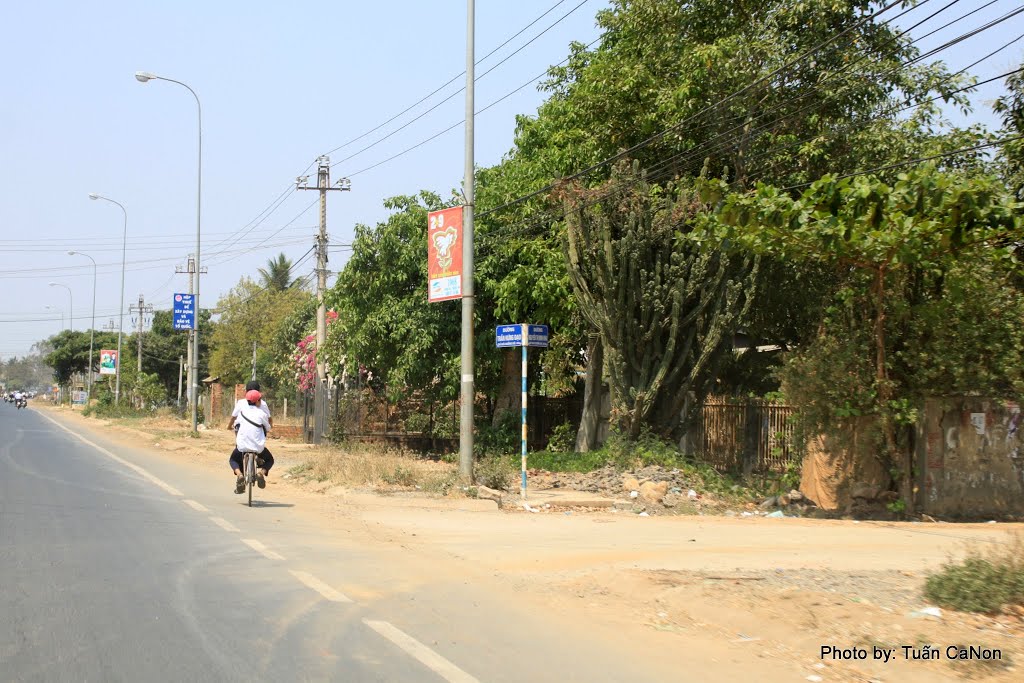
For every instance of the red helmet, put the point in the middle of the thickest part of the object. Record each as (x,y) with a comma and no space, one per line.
(253,396)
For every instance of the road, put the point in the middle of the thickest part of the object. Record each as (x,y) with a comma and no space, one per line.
(120,565)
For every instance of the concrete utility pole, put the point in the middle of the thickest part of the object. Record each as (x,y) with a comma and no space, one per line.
(181,367)
(323,186)
(141,309)
(190,268)
(468,392)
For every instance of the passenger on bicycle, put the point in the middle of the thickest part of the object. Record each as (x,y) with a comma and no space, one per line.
(241,403)
(251,437)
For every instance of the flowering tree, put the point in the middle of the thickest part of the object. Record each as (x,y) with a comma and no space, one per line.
(305,359)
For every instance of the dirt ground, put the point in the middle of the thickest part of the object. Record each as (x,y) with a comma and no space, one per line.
(757,589)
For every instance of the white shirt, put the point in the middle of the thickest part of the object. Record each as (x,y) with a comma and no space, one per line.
(241,403)
(250,435)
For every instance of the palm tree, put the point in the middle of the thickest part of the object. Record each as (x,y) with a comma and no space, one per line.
(277,275)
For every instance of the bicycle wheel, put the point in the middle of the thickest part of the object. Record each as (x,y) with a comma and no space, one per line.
(250,473)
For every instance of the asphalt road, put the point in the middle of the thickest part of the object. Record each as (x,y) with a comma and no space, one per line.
(118,565)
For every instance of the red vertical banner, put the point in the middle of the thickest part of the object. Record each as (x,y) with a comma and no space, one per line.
(444,254)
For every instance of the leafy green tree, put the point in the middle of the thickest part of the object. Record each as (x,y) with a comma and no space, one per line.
(249,314)
(277,276)
(385,322)
(69,353)
(893,241)
(723,70)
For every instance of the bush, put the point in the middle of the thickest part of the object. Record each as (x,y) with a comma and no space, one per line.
(563,438)
(495,472)
(982,582)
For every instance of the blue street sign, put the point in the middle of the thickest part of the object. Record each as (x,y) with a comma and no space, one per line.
(507,336)
(537,336)
(184,312)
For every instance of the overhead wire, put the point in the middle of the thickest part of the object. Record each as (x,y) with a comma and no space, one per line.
(546,220)
(414,120)
(446,84)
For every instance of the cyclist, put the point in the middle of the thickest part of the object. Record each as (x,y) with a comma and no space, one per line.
(251,436)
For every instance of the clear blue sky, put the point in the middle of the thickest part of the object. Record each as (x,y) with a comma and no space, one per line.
(280,83)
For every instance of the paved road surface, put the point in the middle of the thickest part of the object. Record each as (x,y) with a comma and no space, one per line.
(115,565)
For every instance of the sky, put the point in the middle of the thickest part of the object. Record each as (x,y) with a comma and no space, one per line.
(279,84)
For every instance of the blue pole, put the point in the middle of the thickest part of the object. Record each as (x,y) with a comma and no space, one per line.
(525,349)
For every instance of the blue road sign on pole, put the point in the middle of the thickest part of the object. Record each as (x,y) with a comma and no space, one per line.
(184,312)
(507,336)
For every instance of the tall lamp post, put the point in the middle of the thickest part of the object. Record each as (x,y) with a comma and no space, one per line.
(71,305)
(145,77)
(92,325)
(120,324)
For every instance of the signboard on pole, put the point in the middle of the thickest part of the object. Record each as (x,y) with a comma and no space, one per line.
(108,361)
(444,254)
(507,336)
(79,398)
(184,312)
(537,335)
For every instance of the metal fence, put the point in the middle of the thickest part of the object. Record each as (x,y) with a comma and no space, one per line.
(747,435)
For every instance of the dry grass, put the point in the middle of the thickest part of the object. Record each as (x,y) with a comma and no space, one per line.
(385,470)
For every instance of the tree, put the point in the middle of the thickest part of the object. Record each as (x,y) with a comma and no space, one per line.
(663,306)
(727,72)
(69,354)
(890,239)
(386,323)
(277,276)
(249,314)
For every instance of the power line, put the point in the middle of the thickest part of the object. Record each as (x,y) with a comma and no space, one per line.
(439,89)
(417,118)
(459,122)
(919,160)
(657,136)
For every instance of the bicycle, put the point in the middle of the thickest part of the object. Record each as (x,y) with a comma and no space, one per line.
(249,465)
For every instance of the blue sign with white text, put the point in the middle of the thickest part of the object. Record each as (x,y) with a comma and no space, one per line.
(184,312)
(506,336)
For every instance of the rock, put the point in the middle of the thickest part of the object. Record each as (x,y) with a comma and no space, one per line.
(769,503)
(795,496)
(691,494)
(888,497)
(653,492)
(928,518)
(630,484)
(671,499)
(783,500)
(865,491)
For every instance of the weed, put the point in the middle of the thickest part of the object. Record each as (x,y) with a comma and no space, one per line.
(495,472)
(984,581)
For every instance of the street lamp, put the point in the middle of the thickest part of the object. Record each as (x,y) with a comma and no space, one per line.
(120,324)
(71,305)
(92,325)
(145,77)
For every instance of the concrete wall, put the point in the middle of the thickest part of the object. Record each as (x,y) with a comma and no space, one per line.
(970,458)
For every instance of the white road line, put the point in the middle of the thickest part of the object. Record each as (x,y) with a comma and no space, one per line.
(262,549)
(320,587)
(224,524)
(195,506)
(135,468)
(424,654)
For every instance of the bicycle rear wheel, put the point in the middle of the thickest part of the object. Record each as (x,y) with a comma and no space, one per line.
(250,473)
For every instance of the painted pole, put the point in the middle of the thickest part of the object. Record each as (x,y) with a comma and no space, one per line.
(526,329)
